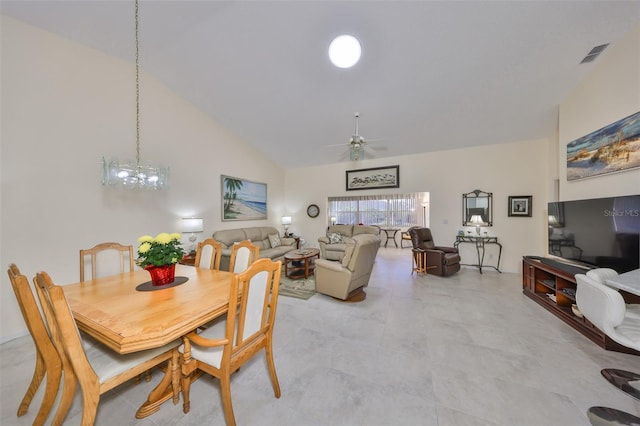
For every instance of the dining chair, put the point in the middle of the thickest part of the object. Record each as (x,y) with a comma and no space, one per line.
(210,250)
(107,253)
(222,349)
(95,367)
(243,254)
(105,250)
(604,307)
(47,360)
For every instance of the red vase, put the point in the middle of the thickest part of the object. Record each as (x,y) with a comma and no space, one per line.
(162,275)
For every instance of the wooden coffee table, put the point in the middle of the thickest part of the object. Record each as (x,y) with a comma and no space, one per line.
(299,263)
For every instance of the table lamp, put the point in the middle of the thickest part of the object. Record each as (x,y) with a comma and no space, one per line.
(192,225)
(476,219)
(286,221)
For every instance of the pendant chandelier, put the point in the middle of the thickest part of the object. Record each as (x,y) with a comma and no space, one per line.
(134,174)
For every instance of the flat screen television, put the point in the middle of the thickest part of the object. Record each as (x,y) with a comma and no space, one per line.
(596,233)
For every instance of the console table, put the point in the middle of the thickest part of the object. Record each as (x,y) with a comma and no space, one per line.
(480,242)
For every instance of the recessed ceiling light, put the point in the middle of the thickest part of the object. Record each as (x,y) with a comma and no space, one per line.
(344,51)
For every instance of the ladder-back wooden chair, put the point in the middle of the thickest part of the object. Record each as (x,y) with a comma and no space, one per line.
(95,367)
(108,252)
(223,348)
(47,360)
(243,254)
(125,264)
(208,254)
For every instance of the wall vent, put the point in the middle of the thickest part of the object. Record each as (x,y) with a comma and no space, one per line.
(594,53)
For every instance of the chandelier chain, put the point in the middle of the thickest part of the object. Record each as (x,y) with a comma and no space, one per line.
(137,88)
(135,174)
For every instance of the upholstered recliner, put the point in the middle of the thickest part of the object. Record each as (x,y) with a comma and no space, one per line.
(441,261)
(334,244)
(346,279)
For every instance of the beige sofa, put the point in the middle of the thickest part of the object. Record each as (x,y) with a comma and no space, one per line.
(347,278)
(259,236)
(335,250)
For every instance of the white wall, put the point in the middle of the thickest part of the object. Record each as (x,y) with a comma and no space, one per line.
(607,94)
(64,106)
(520,168)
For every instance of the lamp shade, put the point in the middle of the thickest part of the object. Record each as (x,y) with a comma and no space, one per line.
(476,219)
(286,220)
(192,224)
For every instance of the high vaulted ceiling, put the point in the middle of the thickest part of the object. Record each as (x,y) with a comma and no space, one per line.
(434,75)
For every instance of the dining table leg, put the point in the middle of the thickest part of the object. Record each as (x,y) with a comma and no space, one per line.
(169,387)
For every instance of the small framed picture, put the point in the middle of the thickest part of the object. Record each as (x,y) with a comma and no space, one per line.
(520,205)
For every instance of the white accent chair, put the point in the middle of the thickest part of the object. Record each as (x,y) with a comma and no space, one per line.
(601,275)
(605,308)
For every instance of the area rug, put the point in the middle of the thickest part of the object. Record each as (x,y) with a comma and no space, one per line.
(299,288)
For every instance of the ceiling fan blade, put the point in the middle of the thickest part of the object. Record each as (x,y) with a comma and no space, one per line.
(370,152)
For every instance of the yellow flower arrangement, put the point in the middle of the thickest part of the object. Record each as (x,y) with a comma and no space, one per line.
(162,250)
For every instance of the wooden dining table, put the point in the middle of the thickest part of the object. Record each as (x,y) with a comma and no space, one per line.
(114,312)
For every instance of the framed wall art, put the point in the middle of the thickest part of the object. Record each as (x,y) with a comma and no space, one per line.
(613,148)
(374,178)
(243,199)
(520,205)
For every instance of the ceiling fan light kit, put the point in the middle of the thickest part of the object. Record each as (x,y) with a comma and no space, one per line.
(356,153)
(357,143)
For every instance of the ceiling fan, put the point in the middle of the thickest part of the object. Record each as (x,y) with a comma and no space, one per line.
(358,145)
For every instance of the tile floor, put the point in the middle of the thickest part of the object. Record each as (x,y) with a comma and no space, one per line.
(464,350)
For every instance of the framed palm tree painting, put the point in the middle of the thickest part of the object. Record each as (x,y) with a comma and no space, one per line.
(243,199)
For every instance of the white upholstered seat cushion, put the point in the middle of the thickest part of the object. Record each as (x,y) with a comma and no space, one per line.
(212,356)
(107,363)
(629,331)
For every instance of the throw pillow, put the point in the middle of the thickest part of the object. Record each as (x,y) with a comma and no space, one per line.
(274,240)
(334,238)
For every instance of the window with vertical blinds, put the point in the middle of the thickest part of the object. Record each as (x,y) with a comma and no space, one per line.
(398,210)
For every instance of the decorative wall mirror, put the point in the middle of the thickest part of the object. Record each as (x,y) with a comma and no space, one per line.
(477,203)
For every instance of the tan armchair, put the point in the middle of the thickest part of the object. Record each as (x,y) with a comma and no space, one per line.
(334,250)
(346,279)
